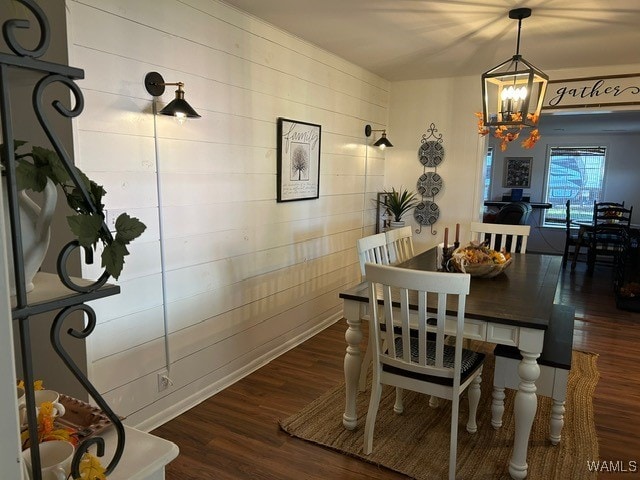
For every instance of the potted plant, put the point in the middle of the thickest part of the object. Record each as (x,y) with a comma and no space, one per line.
(398,202)
(40,166)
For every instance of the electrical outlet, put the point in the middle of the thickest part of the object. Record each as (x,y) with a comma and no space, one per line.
(110,217)
(163,380)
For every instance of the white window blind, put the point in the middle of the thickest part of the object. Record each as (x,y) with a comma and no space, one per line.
(576,174)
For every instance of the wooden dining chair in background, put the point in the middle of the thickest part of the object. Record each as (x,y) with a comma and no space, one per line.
(513,238)
(400,244)
(411,361)
(571,236)
(607,237)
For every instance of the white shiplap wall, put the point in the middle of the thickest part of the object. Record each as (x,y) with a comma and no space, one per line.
(246,277)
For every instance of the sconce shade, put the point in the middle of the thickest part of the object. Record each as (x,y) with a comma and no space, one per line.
(178,107)
(513,91)
(383,141)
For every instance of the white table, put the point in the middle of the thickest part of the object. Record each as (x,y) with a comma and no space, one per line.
(144,456)
(513,308)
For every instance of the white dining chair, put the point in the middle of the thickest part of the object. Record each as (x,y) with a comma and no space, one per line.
(411,361)
(512,238)
(400,244)
(371,249)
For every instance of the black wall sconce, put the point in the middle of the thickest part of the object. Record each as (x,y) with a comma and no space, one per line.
(383,141)
(178,107)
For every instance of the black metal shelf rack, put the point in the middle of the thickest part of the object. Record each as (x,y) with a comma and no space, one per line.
(72,293)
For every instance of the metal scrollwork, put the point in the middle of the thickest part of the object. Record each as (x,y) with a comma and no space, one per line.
(39,108)
(25,59)
(64,276)
(84,381)
(10,25)
(430,154)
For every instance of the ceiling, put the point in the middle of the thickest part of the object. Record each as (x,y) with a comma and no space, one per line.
(415,39)
(419,39)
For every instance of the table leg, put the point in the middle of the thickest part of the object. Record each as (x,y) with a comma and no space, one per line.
(525,406)
(352,362)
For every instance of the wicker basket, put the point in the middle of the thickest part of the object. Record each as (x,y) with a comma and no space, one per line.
(480,270)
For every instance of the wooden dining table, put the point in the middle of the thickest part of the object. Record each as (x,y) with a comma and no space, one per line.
(513,308)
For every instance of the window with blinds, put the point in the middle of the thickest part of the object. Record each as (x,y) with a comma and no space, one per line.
(487,174)
(576,174)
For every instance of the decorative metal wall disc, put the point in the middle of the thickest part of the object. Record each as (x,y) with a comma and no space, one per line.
(431,153)
(426,212)
(429,184)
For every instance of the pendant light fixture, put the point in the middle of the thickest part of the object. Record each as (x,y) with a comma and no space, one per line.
(178,107)
(382,142)
(513,92)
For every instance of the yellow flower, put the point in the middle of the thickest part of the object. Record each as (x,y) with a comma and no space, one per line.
(37,385)
(91,468)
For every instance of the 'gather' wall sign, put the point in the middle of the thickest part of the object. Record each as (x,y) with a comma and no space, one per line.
(603,91)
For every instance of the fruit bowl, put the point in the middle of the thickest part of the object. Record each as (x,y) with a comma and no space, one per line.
(480,261)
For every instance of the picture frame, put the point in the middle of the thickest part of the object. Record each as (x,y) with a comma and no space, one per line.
(517,172)
(298,173)
(383,216)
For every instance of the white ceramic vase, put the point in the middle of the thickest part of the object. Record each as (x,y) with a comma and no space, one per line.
(35,222)
(394,224)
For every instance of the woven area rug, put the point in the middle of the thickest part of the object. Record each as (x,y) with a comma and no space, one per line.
(484,455)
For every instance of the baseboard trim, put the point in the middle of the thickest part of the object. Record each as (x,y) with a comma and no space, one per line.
(191,401)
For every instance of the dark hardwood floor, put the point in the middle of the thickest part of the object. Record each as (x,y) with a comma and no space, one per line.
(235,434)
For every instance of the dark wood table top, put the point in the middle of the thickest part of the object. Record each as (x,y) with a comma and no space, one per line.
(522,295)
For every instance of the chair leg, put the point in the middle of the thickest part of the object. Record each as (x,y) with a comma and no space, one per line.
(497,407)
(591,261)
(433,401)
(398,407)
(366,361)
(453,439)
(374,403)
(556,421)
(364,368)
(474,400)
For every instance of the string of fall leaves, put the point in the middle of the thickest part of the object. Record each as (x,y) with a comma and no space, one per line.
(509,134)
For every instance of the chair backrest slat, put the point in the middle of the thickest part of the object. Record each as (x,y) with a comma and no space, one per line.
(512,236)
(400,244)
(611,214)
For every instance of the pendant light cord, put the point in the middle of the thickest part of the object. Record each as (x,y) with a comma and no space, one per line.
(518,40)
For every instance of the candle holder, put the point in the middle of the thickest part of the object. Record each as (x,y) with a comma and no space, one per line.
(447,253)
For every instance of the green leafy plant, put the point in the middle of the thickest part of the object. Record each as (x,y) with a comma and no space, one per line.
(398,202)
(35,167)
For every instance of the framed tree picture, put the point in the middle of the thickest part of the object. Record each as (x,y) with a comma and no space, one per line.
(298,160)
(517,172)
